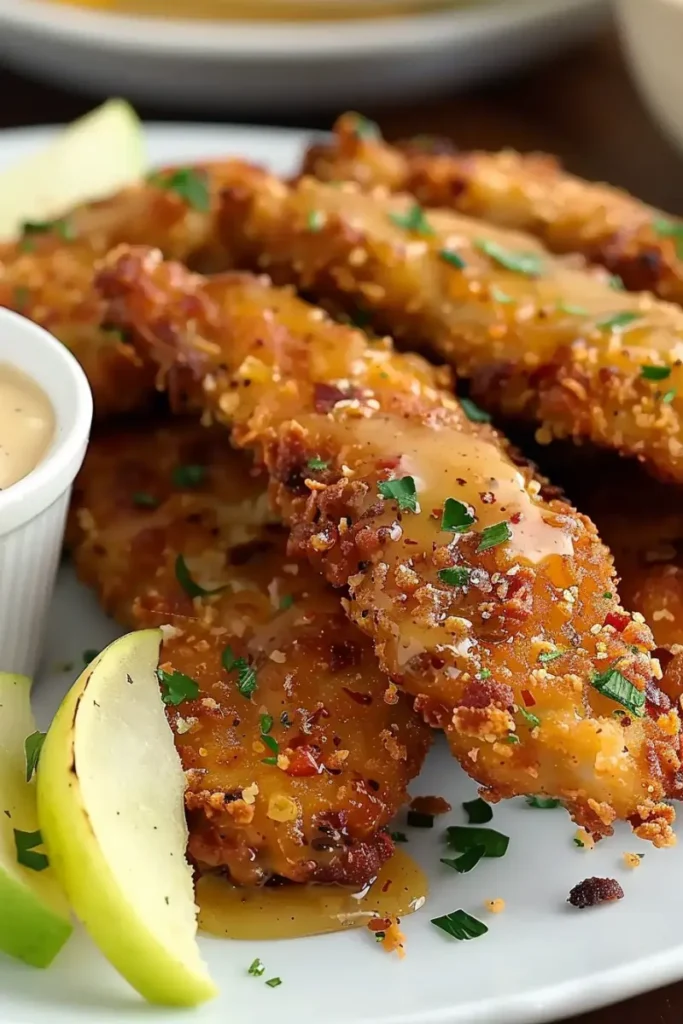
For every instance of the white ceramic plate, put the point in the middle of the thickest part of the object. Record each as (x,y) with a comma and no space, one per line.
(541,959)
(268,66)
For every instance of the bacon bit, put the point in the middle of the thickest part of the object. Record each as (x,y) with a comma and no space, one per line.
(631,860)
(302,763)
(434,805)
(619,620)
(593,891)
(496,906)
(528,698)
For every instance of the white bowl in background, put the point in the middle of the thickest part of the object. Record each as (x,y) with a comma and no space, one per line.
(275,66)
(652,34)
(33,510)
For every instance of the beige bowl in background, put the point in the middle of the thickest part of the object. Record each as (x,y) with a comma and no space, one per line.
(652,34)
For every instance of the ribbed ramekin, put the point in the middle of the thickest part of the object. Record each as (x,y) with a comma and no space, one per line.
(33,511)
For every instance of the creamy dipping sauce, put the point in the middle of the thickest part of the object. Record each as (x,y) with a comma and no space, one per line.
(27,425)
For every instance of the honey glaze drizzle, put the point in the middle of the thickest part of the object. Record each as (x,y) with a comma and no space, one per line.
(293,911)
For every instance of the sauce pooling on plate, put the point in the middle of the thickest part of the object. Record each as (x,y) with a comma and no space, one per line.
(27,425)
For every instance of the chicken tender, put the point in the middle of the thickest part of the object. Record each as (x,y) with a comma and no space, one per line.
(530,192)
(296,749)
(494,607)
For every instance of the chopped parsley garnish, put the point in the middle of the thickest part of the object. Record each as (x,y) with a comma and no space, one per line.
(286,602)
(670,229)
(266,724)
(544,803)
(189,476)
(617,320)
(403,491)
(364,128)
(26,843)
(615,283)
(608,595)
(568,307)
(62,227)
(273,746)
(256,968)
(246,673)
(315,220)
(460,925)
(413,220)
(176,687)
(617,687)
(494,535)
(478,811)
(189,585)
(458,576)
(527,263)
(485,673)
(473,412)
(33,745)
(418,819)
(546,656)
(578,842)
(655,372)
(533,721)
(466,861)
(317,465)
(144,500)
(272,761)
(456,516)
(89,654)
(452,258)
(274,982)
(512,738)
(463,838)
(399,837)
(191,185)
(669,396)
(498,295)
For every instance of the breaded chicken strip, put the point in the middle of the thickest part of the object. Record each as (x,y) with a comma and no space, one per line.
(541,338)
(296,749)
(529,192)
(496,609)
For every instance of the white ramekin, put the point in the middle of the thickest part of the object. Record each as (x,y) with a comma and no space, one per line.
(33,511)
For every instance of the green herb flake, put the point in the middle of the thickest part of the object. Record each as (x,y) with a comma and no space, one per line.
(528,263)
(498,295)
(315,221)
(463,837)
(246,673)
(452,258)
(274,982)
(466,861)
(485,673)
(403,491)
(615,283)
(89,654)
(546,656)
(318,465)
(399,837)
(62,227)
(670,229)
(176,687)
(617,320)
(286,602)
(190,185)
(412,220)
(669,396)
(533,721)
(141,499)
(571,309)
(33,745)
(494,535)
(272,761)
(456,516)
(256,968)
(266,724)
(617,687)
(25,843)
(189,585)
(473,412)
(189,476)
(512,738)
(418,819)
(460,925)
(458,576)
(578,842)
(271,743)
(655,372)
(543,803)
(478,811)
(364,128)
(608,595)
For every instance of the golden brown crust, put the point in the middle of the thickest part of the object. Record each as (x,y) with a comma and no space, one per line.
(530,192)
(471,646)
(343,754)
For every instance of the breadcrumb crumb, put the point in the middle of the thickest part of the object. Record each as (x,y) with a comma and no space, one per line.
(495,906)
(632,860)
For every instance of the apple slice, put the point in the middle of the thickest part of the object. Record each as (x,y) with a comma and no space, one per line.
(34,915)
(111,812)
(95,155)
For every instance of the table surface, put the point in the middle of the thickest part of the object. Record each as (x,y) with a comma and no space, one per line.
(582,108)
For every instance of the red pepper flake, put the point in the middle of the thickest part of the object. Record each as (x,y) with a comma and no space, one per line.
(528,698)
(379,924)
(431,805)
(302,763)
(593,891)
(516,518)
(387,885)
(619,620)
(360,698)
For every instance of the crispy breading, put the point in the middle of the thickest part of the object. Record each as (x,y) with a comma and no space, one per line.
(530,192)
(541,337)
(488,603)
(293,780)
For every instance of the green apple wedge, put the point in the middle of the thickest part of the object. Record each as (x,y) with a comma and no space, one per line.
(34,914)
(111,812)
(95,155)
